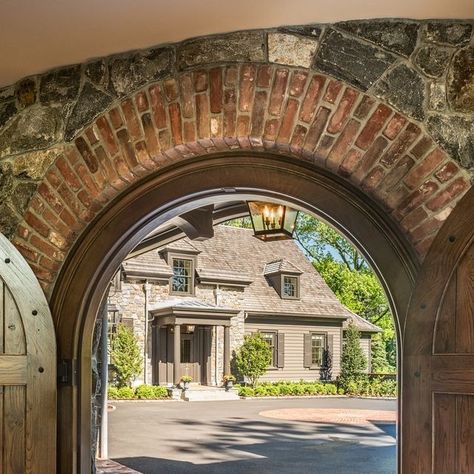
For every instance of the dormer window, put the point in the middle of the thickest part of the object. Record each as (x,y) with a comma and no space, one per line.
(290,287)
(182,281)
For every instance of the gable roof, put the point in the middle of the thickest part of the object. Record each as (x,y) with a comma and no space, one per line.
(237,256)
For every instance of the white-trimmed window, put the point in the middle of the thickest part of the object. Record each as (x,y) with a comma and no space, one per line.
(182,281)
(290,287)
(271,339)
(318,346)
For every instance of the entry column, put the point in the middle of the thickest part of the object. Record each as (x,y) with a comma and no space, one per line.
(226,350)
(177,354)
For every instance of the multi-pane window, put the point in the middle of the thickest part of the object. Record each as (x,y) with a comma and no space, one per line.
(182,280)
(318,345)
(290,287)
(270,339)
(185,351)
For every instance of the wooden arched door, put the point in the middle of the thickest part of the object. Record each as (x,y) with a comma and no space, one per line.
(27,370)
(438,355)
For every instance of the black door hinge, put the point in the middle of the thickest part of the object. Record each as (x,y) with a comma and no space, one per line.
(67,372)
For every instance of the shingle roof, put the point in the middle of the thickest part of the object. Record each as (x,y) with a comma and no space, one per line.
(235,252)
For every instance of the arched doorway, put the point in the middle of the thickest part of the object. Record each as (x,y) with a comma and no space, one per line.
(181,188)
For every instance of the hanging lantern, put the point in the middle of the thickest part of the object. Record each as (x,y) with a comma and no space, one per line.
(272,221)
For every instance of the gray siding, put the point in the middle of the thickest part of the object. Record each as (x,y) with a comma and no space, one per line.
(294,369)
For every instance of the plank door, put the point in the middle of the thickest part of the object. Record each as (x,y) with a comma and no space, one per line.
(438,355)
(27,370)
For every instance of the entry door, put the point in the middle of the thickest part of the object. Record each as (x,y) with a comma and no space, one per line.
(190,357)
(27,370)
(438,355)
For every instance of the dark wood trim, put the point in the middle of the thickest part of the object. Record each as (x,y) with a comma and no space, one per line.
(177,189)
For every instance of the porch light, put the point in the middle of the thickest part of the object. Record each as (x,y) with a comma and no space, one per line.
(272,221)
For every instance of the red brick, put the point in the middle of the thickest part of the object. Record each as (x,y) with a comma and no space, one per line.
(200,81)
(373,179)
(150,135)
(157,106)
(424,230)
(447,172)
(297,83)
(68,174)
(340,115)
(278,91)
(202,115)
(424,168)
(231,76)
(258,112)
(397,173)
(141,100)
(417,198)
(109,170)
(27,252)
(413,219)
(394,126)
(311,100)
(91,136)
(317,128)
(216,127)
(127,149)
(332,91)
(243,125)
(107,135)
(422,146)
(350,162)
(115,118)
(46,248)
(143,156)
(187,102)
(371,156)
(299,135)
(264,76)
(164,138)
(247,86)
(373,126)
(133,125)
(271,129)
(323,148)
(189,131)
(22,232)
(448,194)
(171,90)
(342,144)
(122,169)
(230,112)
(364,107)
(175,122)
(401,145)
(50,197)
(49,264)
(87,179)
(36,224)
(45,277)
(54,178)
(288,121)
(215,82)
(86,153)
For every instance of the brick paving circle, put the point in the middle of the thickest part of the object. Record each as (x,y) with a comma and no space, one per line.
(329,415)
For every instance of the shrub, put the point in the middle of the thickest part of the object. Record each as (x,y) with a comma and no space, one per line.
(285,389)
(253,358)
(125,393)
(273,390)
(260,391)
(297,389)
(145,392)
(331,389)
(125,355)
(246,392)
(160,392)
(353,361)
(112,393)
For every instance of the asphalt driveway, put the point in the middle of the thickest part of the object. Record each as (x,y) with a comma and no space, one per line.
(232,437)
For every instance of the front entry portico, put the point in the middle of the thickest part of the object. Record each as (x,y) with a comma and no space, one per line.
(185,339)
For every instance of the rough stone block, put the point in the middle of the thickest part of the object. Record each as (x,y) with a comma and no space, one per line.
(7,110)
(432,60)
(454,133)
(351,60)
(437,98)
(313,31)
(61,85)
(404,88)
(91,102)
(461,81)
(448,32)
(233,47)
(397,36)
(290,49)
(130,72)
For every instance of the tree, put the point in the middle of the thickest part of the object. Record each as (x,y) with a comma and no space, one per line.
(378,361)
(126,356)
(253,357)
(353,360)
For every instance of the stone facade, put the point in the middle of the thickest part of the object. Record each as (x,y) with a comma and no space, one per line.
(73,138)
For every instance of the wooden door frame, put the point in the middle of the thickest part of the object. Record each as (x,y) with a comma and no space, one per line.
(179,188)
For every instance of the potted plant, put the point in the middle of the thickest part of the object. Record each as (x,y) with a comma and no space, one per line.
(185,381)
(229,380)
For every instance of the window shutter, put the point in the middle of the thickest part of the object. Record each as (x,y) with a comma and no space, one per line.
(330,344)
(307,350)
(280,350)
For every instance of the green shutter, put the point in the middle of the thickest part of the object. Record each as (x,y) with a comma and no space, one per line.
(280,350)
(307,350)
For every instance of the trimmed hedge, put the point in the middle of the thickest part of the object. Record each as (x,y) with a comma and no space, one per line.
(364,387)
(142,392)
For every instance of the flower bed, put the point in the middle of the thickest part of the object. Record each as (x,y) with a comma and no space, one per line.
(142,392)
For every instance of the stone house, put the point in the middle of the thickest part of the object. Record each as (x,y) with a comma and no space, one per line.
(202,297)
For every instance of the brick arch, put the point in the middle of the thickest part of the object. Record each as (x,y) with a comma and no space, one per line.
(296,112)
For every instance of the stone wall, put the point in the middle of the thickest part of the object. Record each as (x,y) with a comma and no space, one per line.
(72,139)
(130,302)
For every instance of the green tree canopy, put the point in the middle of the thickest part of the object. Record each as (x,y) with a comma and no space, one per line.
(353,360)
